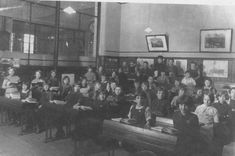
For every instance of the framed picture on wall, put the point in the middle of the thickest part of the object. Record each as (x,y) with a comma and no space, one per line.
(216,68)
(215,40)
(157,42)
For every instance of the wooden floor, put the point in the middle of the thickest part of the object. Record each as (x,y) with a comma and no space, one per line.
(12,144)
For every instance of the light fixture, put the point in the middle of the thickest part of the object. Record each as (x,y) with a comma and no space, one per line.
(148,29)
(69,10)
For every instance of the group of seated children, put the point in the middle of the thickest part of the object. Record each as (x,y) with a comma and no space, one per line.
(98,96)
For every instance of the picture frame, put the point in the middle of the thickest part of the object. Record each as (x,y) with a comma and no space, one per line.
(157,43)
(215,40)
(216,68)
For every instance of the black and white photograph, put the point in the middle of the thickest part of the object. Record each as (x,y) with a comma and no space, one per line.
(117,78)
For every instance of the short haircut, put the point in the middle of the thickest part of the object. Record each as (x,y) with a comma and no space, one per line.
(211,96)
(160,56)
(66,77)
(142,95)
(184,99)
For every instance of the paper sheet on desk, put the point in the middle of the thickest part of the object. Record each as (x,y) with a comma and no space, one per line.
(116,119)
(157,128)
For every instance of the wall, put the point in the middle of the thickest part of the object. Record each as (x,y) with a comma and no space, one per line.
(110,28)
(182,23)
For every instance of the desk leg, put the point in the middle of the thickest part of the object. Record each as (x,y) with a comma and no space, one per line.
(46,130)
(2,115)
(21,124)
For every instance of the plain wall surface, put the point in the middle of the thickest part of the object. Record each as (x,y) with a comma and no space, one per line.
(182,23)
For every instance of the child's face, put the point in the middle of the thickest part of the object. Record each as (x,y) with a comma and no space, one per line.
(102,97)
(181,92)
(100,69)
(144,87)
(160,95)
(207,83)
(113,85)
(76,88)
(183,109)
(103,78)
(170,62)
(84,82)
(222,98)
(118,90)
(155,73)
(11,72)
(159,60)
(46,87)
(97,86)
(177,83)
(206,100)
(193,66)
(199,92)
(24,87)
(163,73)
(113,74)
(150,79)
(137,84)
(53,74)
(139,100)
(145,65)
(66,81)
(37,75)
(187,75)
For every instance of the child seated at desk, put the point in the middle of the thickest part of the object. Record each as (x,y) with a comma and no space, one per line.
(46,97)
(160,106)
(137,110)
(24,94)
(101,106)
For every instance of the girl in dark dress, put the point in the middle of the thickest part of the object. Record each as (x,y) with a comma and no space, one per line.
(65,88)
(137,110)
(53,81)
(37,85)
(25,91)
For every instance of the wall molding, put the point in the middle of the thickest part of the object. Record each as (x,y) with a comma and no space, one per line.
(181,54)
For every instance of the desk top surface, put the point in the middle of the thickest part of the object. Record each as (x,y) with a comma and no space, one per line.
(141,137)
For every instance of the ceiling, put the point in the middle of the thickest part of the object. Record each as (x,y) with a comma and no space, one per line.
(77,5)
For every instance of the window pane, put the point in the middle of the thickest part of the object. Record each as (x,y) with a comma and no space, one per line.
(20,36)
(44,39)
(43,15)
(16,9)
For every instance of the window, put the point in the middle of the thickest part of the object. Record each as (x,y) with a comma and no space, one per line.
(28,43)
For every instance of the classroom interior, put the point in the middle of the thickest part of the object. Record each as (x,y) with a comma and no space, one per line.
(70,36)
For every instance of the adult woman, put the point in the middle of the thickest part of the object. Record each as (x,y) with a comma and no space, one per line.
(37,85)
(10,83)
(209,119)
(189,82)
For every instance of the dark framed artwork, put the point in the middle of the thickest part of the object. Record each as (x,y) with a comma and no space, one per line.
(215,40)
(157,43)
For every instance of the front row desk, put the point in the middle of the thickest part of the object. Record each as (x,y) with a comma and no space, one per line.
(157,139)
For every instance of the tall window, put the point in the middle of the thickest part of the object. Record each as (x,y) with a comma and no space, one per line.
(28,43)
